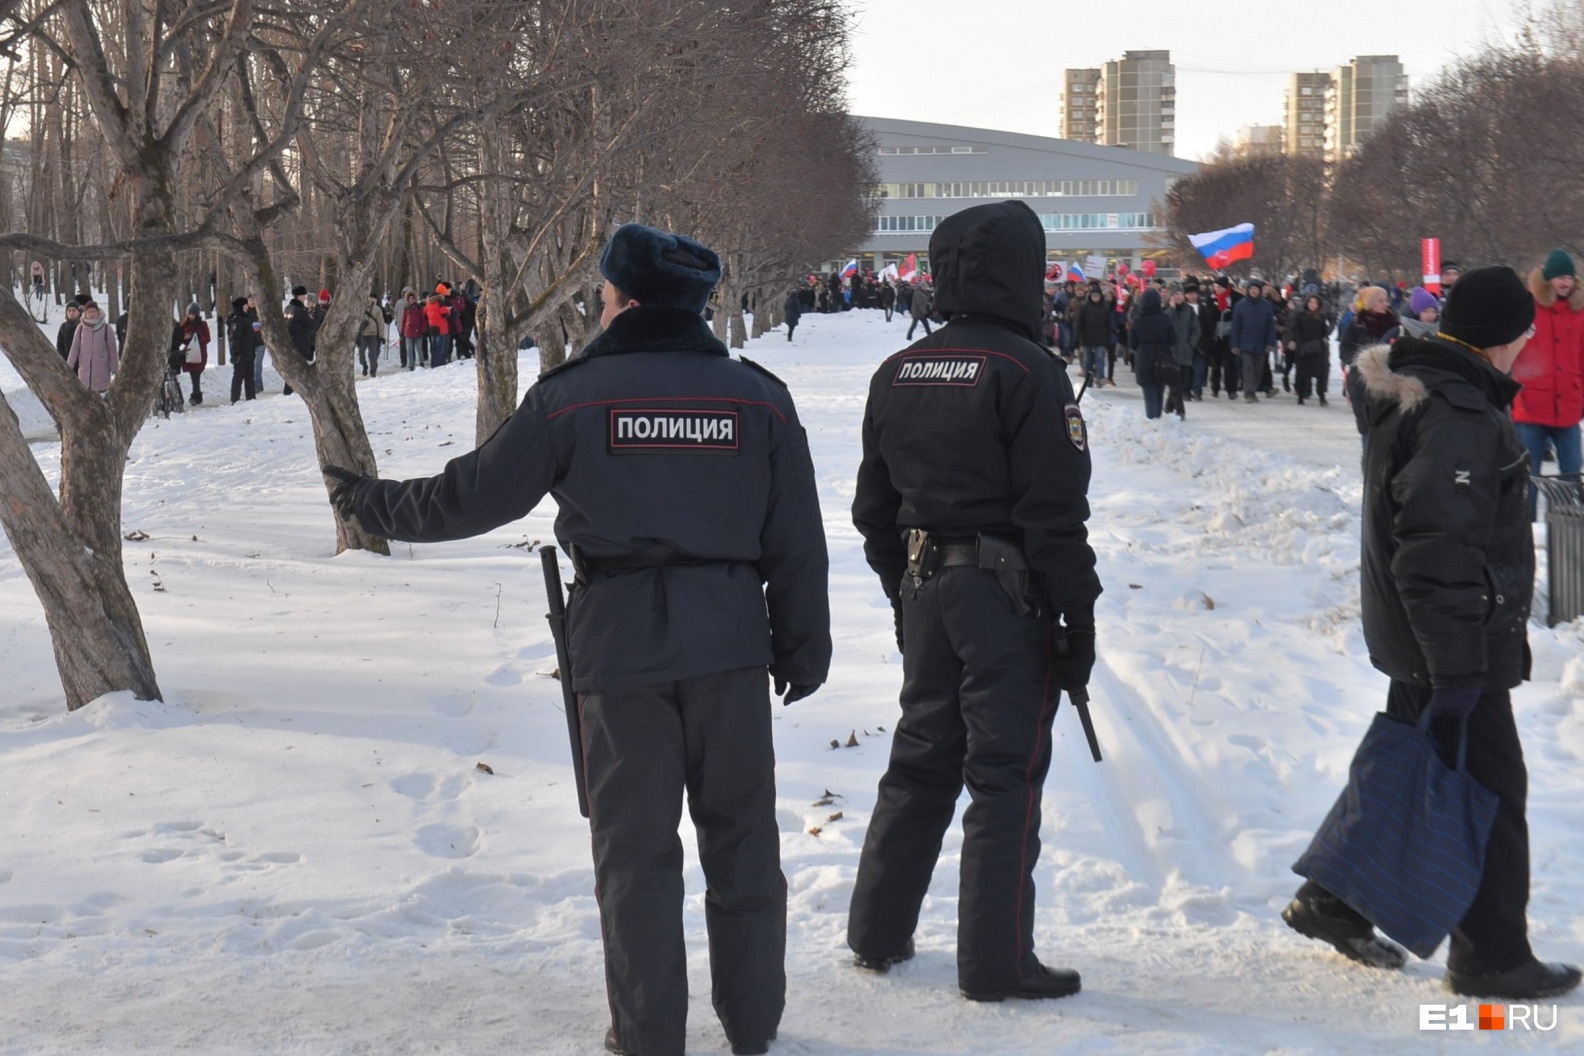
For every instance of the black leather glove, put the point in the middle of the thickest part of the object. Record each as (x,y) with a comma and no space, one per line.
(795,691)
(345,495)
(896,612)
(1075,652)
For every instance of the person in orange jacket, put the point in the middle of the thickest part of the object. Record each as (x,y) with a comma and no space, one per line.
(437,313)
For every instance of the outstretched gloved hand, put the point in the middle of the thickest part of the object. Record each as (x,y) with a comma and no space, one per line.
(794,691)
(345,496)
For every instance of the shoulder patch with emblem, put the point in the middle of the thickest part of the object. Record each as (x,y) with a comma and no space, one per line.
(1076,431)
(745,361)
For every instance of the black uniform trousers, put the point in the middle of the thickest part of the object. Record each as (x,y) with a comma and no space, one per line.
(1493,935)
(977,706)
(642,747)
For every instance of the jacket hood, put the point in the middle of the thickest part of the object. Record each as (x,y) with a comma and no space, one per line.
(1397,373)
(1545,296)
(989,260)
(1150,301)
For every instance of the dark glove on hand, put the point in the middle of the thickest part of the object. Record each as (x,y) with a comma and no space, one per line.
(1075,658)
(794,692)
(1454,701)
(345,495)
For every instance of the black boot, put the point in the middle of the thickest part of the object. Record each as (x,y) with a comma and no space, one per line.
(1329,919)
(1322,399)
(752,1048)
(1043,983)
(613,1046)
(1529,981)
(881,965)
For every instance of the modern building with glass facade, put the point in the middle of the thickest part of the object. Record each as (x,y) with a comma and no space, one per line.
(1093,200)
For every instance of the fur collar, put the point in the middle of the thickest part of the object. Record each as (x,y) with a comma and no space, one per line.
(1545,296)
(655,328)
(1405,373)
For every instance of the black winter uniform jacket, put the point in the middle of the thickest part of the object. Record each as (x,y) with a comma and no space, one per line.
(1448,554)
(975,428)
(653,441)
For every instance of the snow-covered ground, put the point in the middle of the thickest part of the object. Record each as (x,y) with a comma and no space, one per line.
(298,852)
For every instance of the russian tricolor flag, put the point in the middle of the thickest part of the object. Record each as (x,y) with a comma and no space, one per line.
(1220,248)
(852,268)
(1075,272)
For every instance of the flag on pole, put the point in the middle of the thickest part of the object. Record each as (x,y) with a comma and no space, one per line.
(909,270)
(851,269)
(888,272)
(1220,248)
(1075,272)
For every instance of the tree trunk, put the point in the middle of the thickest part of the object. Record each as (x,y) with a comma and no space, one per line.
(326,385)
(93,620)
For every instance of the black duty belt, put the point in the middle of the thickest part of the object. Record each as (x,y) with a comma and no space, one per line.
(928,553)
(957,555)
(650,557)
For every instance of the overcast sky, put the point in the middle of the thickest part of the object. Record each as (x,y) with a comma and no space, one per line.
(998,63)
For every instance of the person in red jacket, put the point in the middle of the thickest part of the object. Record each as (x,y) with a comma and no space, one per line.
(414,331)
(187,336)
(1551,368)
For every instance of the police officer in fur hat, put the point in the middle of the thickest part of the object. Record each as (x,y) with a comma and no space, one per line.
(687,500)
(972,501)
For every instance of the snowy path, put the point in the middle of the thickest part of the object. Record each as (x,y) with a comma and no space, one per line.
(296,852)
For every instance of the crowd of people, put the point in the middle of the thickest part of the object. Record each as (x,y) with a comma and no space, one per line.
(1243,337)
(428,330)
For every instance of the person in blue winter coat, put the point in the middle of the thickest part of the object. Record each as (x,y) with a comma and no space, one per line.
(687,500)
(1253,336)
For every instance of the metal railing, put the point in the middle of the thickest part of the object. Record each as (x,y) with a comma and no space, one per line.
(1564,519)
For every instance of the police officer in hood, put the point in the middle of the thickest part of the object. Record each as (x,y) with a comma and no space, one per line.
(971,499)
(687,500)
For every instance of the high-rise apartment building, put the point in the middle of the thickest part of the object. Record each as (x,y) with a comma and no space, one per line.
(1253,140)
(1136,106)
(1306,114)
(1080,90)
(1358,100)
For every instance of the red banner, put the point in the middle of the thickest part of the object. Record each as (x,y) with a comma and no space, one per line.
(1430,254)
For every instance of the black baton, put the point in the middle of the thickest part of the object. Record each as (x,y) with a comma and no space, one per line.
(1080,700)
(557,618)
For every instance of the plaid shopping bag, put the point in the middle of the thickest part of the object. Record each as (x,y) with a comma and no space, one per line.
(1405,843)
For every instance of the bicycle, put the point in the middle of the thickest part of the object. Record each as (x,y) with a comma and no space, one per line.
(169,397)
(38,303)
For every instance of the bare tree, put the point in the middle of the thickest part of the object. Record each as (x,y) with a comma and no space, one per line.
(147,76)
(1284,198)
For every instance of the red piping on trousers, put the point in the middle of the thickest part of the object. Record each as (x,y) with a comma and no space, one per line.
(1028,811)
